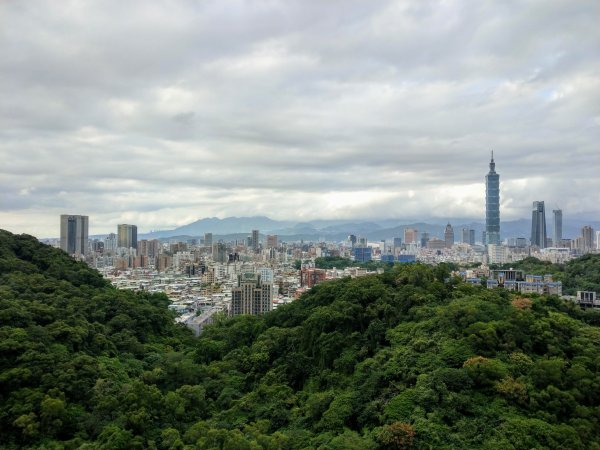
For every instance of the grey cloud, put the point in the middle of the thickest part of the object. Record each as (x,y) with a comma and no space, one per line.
(189,109)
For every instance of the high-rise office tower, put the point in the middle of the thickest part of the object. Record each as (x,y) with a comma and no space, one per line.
(272,241)
(255,240)
(466,236)
(538,225)
(411,236)
(127,236)
(208,240)
(219,252)
(449,236)
(492,205)
(557,237)
(397,242)
(424,239)
(252,295)
(587,233)
(74,234)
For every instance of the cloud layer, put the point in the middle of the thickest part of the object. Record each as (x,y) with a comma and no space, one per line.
(159,113)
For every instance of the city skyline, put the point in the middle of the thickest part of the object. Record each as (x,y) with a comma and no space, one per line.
(263,229)
(295,111)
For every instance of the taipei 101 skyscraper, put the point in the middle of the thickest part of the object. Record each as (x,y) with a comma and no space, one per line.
(492,205)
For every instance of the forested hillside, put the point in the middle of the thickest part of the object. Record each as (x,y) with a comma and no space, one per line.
(582,273)
(398,360)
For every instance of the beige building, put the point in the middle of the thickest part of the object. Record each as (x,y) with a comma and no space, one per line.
(272,241)
(411,236)
(127,236)
(251,295)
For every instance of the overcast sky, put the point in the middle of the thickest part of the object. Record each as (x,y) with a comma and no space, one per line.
(160,113)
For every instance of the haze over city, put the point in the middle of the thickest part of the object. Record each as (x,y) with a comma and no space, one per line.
(161,114)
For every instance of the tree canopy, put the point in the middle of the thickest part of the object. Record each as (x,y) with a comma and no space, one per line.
(405,359)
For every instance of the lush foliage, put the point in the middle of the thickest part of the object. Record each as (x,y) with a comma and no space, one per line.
(339,262)
(583,273)
(74,351)
(329,262)
(398,360)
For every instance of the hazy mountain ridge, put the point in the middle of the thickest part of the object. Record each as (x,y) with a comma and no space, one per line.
(337,230)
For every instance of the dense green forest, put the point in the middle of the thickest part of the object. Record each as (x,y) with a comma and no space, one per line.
(392,361)
(582,273)
(329,262)
(339,262)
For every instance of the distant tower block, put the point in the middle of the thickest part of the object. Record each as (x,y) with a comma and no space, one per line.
(538,225)
(449,236)
(557,237)
(411,236)
(74,234)
(127,236)
(255,240)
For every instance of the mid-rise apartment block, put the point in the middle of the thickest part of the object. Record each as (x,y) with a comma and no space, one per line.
(252,295)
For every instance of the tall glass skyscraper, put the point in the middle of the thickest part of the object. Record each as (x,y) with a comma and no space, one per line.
(557,239)
(492,205)
(538,225)
(74,234)
(127,236)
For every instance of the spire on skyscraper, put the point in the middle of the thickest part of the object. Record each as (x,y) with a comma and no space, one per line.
(492,164)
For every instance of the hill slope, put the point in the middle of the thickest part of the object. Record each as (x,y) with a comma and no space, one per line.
(400,360)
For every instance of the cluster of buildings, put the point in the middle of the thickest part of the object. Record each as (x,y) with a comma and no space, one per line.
(540,244)
(491,249)
(514,280)
(204,276)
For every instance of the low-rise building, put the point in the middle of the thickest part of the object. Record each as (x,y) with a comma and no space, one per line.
(587,299)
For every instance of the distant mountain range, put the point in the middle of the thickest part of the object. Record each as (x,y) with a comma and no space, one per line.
(232,228)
